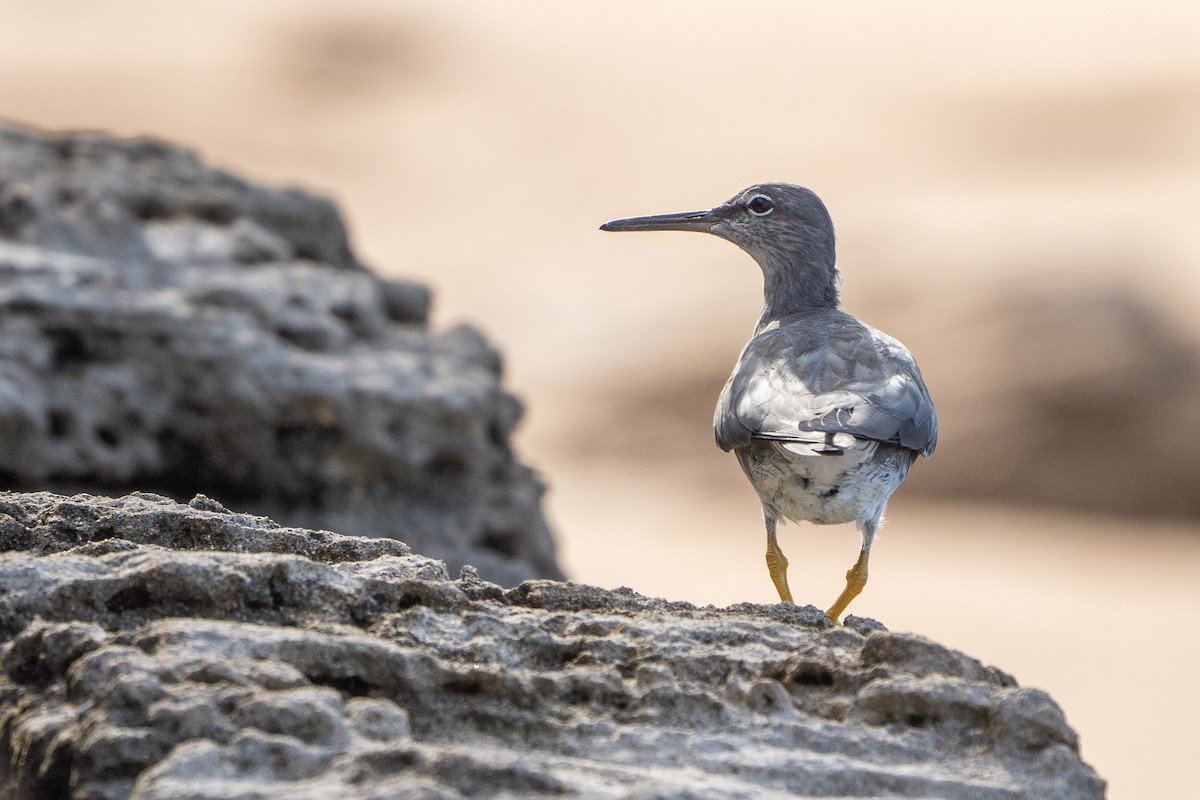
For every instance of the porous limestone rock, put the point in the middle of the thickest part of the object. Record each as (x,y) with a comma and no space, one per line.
(166,326)
(156,651)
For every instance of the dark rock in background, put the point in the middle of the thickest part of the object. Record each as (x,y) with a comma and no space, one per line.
(169,327)
(1067,403)
(152,651)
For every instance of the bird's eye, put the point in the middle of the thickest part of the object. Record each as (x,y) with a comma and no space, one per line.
(760,205)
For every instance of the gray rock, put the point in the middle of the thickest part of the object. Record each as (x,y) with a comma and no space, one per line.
(170,327)
(154,650)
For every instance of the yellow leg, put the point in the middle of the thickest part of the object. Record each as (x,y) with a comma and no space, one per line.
(777,565)
(856,579)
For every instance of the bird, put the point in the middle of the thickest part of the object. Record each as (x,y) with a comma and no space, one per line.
(825,414)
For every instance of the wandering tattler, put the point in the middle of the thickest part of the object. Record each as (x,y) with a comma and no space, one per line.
(825,414)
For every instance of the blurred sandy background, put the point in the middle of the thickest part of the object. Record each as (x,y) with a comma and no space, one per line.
(1016,190)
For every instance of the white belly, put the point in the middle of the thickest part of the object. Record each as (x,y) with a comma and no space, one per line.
(826,489)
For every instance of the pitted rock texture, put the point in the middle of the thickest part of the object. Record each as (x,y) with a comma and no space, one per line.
(155,651)
(169,327)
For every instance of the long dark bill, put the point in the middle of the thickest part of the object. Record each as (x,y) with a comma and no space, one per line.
(685,221)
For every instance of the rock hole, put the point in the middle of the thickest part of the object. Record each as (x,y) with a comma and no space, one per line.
(108,436)
(570,654)
(60,423)
(303,338)
(277,586)
(216,212)
(346,313)
(497,435)
(812,674)
(64,148)
(193,407)
(408,600)
(448,466)
(349,685)
(23,305)
(131,598)
(148,208)
(388,761)
(307,252)
(15,212)
(464,685)
(67,348)
(764,701)
(289,438)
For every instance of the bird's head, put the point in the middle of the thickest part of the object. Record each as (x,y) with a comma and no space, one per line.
(778,224)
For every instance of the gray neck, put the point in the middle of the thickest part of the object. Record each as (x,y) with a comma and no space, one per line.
(797,283)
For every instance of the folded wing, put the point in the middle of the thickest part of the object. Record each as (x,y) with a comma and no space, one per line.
(819,382)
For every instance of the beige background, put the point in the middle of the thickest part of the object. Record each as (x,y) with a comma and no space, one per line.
(980,160)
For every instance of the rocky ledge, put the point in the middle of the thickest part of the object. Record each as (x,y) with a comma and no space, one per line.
(158,651)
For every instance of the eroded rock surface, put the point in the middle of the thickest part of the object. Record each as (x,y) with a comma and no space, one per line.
(153,650)
(170,327)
